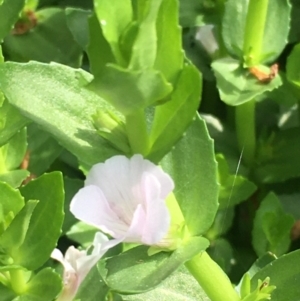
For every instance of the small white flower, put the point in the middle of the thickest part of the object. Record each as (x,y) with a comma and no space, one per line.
(126,199)
(207,38)
(77,264)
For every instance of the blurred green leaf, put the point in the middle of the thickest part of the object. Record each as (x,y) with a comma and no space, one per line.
(77,21)
(40,290)
(43,150)
(149,270)
(236,85)
(43,232)
(293,66)
(59,104)
(233,26)
(50,40)
(9,14)
(192,166)
(275,32)
(197,13)
(272,227)
(222,253)
(71,187)
(234,188)
(278,157)
(5,293)
(14,177)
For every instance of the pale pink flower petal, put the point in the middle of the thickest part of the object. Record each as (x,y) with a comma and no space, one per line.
(96,211)
(77,264)
(126,199)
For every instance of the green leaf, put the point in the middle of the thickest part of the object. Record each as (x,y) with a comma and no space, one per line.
(14,178)
(272,227)
(14,151)
(43,150)
(44,286)
(5,293)
(151,270)
(60,105)
(9,14)
(234,188)
(197,13)
(43,233)
(98,50)
(145,46)
(77,21)
(236,85)
(293,66)
(222,223)
(129,90)
(11,199)
(172,118)
(180,286)
(50,40)
(82,233)
(295,22)
(14,235)
(71,187)
(169,56)
(278,157)
(275,37)
(11,121)
(222,253)
(93,288)
(192,166)
(284,273)
(233,26)
(260,263)
(114,17)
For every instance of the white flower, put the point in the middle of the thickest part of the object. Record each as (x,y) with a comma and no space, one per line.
(126,199)
(207,38)
(77,264)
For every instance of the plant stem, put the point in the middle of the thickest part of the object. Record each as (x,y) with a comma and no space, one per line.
(211,278)
(136,129)
(18,281)
(254,31)
(245,130)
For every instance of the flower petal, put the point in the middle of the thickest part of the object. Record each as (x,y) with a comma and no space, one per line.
(90,206)
(135,232)
(157,221)
(141,166)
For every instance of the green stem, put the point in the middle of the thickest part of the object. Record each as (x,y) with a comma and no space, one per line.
(136,129)
(18,281)
(254,31)
(245,130)
(211,278)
